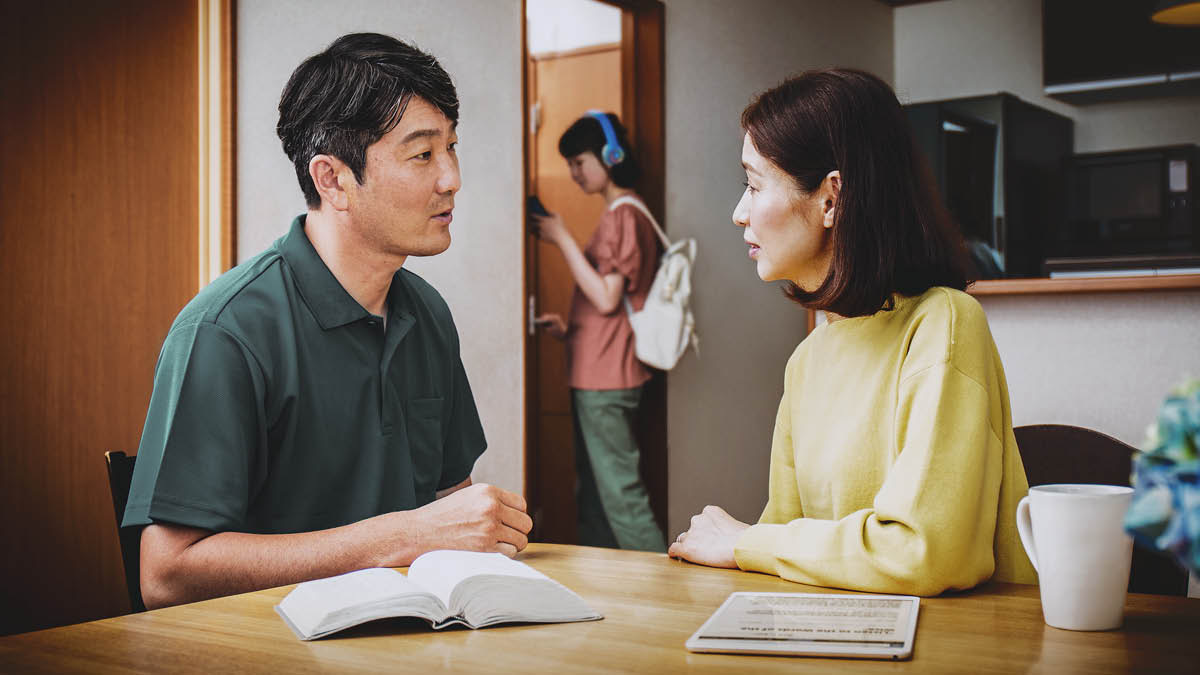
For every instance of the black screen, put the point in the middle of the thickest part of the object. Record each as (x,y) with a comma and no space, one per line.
(1125,191)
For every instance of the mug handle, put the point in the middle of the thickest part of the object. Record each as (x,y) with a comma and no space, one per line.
(1025,530)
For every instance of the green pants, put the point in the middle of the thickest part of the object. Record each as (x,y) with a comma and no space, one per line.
(614,509)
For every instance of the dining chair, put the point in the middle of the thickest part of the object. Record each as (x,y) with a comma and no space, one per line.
(1059,453)
(120,473)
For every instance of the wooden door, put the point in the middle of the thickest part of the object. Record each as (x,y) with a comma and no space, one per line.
(563,87)
(100,247)
(560,88)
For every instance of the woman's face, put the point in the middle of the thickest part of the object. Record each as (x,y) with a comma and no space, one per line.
(587,172)
(788,231)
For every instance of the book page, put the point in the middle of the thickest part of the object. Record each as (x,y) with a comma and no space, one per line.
(816,618)
(314,605)
(440,571)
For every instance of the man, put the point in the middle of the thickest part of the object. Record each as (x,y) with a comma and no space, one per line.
(310,413)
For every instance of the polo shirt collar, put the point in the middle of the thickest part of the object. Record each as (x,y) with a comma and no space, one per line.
(329,302)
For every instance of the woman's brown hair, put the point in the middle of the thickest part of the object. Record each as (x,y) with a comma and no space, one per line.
(890,233)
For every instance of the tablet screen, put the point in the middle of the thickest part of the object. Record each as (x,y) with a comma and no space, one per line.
(811,623)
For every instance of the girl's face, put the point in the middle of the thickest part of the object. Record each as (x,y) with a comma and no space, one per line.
(789,232)
(588,172)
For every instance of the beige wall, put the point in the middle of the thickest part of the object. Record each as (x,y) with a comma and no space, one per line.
(479,43)
(969,48)
(718,55)
(1136,124)
(1103,361)
(1118,352)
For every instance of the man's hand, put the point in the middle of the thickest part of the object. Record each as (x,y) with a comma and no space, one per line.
(479,517)
(711,539)
(184,564)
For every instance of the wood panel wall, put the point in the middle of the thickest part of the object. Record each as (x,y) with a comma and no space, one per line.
(98,252)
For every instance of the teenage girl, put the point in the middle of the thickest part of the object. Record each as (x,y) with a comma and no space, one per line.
(605,377)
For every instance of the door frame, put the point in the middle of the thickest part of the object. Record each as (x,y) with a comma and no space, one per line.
(216,137)
(642,100)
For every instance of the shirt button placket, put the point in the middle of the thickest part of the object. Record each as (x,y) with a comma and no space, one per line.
(386,404)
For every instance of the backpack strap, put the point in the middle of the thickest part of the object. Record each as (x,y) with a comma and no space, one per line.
(637,204)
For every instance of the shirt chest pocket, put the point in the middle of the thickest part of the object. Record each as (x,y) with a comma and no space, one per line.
(423,417)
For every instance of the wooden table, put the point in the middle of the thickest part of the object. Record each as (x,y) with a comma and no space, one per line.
(651,604)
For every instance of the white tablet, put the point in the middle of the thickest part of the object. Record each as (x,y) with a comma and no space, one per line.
(811,624)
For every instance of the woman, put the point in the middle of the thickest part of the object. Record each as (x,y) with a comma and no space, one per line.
(893,464)
(605,377)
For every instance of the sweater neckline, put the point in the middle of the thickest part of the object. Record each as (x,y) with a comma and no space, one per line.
(898,302)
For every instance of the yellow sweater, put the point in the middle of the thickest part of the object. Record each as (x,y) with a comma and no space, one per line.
(893,466)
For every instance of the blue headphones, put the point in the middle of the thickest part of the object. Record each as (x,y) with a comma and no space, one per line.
(612,153)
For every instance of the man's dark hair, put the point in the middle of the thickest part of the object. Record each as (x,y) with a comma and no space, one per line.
(586,135)
(891,233)
(347,97)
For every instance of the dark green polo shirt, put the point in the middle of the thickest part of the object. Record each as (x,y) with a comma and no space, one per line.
(281,405)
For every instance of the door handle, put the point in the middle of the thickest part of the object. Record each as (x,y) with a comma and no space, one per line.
(532,311)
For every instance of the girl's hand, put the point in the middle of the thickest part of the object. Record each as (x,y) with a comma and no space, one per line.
(711,539)
(549,228)
(553,323)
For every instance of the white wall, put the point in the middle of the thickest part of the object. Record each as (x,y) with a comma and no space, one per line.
(954,48)
(563,25)
(479,43)
(718,55)
(1103,361)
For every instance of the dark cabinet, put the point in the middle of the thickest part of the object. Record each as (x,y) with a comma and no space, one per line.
(1097,51)
(998,162)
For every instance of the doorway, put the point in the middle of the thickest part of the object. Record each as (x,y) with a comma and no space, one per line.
(119,189)
(581,55)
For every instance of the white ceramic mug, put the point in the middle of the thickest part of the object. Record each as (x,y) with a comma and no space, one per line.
(1076,540)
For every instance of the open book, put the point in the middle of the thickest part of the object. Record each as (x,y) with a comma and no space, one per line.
(442,587)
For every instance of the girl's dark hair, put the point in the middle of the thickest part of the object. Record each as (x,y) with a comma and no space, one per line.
(586,135)
(347,97)
(891,233)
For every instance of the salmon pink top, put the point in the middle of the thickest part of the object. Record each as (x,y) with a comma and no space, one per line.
(600,347)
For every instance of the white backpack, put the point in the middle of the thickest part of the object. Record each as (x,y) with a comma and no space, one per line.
(664,327)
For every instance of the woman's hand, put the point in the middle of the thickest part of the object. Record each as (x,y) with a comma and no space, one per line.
(711,539)
(550,228)
(554,324)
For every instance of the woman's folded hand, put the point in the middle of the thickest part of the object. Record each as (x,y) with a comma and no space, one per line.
(711,539)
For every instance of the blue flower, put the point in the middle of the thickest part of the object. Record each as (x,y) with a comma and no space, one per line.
(1165,512)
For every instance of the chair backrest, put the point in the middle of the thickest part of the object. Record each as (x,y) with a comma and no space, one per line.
(120,474)
(1058,453)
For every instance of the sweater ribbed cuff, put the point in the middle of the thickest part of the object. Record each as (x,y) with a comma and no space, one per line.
(755,549)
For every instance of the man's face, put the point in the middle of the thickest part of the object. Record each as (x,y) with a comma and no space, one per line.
(404,205)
